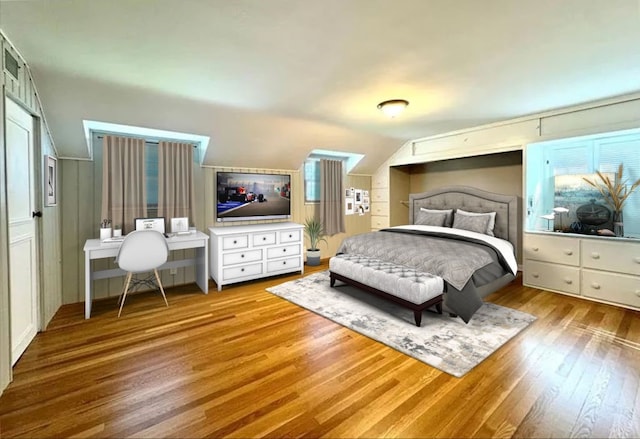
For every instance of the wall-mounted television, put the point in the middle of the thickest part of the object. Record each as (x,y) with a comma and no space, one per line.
(243,196)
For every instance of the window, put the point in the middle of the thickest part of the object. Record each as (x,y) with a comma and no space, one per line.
(151,181)
(312,170)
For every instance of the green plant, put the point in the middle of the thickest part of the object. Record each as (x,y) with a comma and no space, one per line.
(615,193)
(315,231)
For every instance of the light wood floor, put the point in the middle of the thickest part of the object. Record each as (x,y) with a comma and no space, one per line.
(245,363)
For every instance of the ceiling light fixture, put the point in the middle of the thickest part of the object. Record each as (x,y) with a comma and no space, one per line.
(393,107)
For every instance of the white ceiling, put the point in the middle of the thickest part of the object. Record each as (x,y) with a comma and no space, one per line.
(270,80)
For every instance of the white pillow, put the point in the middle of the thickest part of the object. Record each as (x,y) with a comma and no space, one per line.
(491,215)
(448,220)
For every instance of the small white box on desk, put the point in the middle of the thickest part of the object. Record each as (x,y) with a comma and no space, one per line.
(105,233)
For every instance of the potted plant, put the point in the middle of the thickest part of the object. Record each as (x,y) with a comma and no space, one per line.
(315,231)
(615,194)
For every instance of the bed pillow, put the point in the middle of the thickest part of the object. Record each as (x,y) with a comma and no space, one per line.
(431,218)
(476,224)
(449,219)
(490,215)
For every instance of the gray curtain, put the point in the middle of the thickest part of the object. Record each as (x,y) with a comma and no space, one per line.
(176,196)
(331,191)
(124,194)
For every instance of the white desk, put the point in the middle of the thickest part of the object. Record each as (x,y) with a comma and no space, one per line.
(95,249)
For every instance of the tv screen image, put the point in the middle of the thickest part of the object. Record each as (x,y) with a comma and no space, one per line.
(250,196)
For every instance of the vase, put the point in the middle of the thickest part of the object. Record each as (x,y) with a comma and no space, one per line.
(618,224)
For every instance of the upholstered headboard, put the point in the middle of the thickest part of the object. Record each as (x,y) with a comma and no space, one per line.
(472,200)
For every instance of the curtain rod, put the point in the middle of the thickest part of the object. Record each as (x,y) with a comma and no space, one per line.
(195,145)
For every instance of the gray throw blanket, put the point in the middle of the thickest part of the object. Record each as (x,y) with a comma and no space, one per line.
(453,260)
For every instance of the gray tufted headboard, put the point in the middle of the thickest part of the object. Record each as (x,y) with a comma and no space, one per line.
(472,200)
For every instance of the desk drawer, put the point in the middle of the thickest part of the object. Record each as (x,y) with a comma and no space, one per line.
(242,271)
(240,257)
(237,241)
(289,236)
(283,264)
(277,252)
(264,239)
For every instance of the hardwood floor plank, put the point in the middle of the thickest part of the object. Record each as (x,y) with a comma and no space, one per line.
(245,363)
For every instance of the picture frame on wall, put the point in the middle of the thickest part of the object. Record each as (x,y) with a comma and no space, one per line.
(50,181)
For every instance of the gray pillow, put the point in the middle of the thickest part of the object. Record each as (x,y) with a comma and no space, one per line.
(431,218)
(449,212)
(476,224)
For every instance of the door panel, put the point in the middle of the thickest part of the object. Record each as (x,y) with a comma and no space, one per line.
(23,246)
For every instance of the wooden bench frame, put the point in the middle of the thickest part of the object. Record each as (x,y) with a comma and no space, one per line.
(416,308)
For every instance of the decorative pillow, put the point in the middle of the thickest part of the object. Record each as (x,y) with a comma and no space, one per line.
(431,218)
(448,221)
(476,224)
(490,215)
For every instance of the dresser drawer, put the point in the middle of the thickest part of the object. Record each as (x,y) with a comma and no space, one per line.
(379,222)
(283,264)
(241,257)
(290,236)
(378,195)
(552,249)
(264,239)
(241,271)
(621,257)
(552,276)
(234,242)
(611,287)
(380,179)
(287,250)
(380,209)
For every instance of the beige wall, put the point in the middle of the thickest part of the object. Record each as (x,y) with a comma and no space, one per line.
(500,173)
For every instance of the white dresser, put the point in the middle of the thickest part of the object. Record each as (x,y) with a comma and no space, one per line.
(241,253)
(602,269)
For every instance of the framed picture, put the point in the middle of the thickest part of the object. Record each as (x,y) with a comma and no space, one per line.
(50,181)
(348,206)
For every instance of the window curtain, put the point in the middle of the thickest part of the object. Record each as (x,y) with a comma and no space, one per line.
(124,196)
(331,196)
(176,196)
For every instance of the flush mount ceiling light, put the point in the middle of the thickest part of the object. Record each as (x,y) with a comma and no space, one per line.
(393,107)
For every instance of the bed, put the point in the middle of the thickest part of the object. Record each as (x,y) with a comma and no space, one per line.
(472,263)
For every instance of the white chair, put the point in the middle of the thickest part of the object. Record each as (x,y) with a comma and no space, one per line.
(142,251)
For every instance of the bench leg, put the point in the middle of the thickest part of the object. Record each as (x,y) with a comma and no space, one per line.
(417,315)
(332,282)
(439,307)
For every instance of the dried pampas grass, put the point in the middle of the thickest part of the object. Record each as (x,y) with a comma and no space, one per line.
(616,193)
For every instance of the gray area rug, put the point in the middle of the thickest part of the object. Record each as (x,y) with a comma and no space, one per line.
(443,342)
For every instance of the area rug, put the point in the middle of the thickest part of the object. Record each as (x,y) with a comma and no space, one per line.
(443,342)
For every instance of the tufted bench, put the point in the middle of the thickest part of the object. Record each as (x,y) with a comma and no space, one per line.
(408,287)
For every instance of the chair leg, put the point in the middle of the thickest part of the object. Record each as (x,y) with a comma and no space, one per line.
(126,288)
(160,285)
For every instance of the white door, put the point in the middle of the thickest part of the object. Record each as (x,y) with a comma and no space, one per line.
(23,273)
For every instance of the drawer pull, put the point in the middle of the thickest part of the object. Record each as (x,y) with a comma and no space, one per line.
(535,249)
(284,250)
(595,255)
(535,275)
(568,252)
(595,286)
(290,235)
(638,293)
(568,281)
(242,256)
(284,262)
(264,238)
(637,260)
(242,269)
(235,242)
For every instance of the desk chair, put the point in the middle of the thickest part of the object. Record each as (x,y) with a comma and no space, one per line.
(142,251)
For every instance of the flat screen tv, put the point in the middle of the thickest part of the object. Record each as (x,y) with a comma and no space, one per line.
(243,196)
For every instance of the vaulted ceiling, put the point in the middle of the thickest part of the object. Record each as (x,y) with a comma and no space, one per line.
(270,80)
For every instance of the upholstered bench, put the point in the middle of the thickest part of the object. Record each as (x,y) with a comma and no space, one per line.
(401,284)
